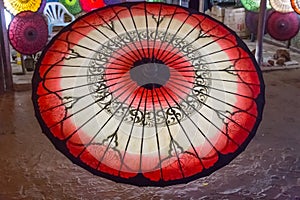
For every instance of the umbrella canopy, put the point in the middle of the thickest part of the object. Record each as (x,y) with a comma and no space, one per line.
(28,32)
(89,5)
(283,26)
(283,6)
(251,21)
(73,6)
(296,5)
(148,93)
(41,8)
(17,6)
(253,5)
(111,2)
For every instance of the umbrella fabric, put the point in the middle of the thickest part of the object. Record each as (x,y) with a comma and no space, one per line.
(283,26)
(296,5)
(17,6)
(251,21)
(73,6)
(41,8)
(111,2)
(148,93)
(89,5)
(28,32)
(283,6)
(253,5)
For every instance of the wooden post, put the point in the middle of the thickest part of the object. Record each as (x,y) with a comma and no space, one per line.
(260,32)
(5,53)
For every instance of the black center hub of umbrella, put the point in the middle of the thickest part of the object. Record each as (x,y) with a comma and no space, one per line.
(30,34)
(150,75)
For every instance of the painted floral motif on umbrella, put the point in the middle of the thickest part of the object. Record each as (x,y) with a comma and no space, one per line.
(28,32)
(17,6)
(148,93)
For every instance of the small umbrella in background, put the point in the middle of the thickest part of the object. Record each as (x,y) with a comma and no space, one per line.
(89,5)
(296,5)
(17,6)
(253,5)
(283,6)
(251,21)
(111,2)
(283,26)
(28,32)
(73,6)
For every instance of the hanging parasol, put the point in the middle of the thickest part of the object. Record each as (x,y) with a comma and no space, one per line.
(28,32)
(253,5)
(111,2)
(148,93)
(283,6)
(89,5)
(283,26)
(17,6)
(296,5)
(73,6)
(251,21)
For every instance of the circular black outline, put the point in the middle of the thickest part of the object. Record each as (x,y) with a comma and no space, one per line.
(269,29)
(46,30)
(139,179)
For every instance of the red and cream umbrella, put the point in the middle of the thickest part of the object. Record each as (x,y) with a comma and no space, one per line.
(296,5)
(283,6)
(148,93)
(28,32)
(283,26)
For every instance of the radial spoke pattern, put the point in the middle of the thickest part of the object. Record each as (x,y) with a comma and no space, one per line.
(148,93)
(283,26)
(283,6)
(28,32)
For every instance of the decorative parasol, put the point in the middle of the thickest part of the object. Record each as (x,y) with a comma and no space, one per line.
(253,5)
(28,32)
(42,6)
(17,6)
(296,5)
(111,2)
(73,6)
(89,5)
(251,21)
(283,6)
(283,26)
(148,93)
